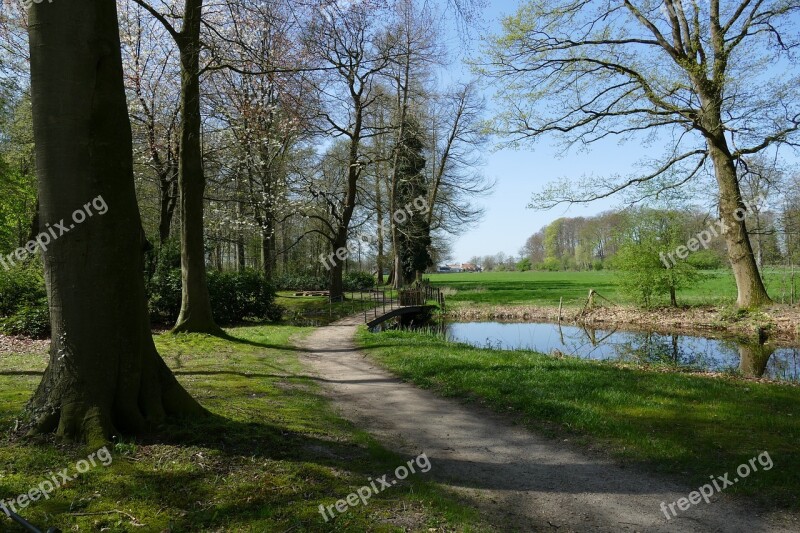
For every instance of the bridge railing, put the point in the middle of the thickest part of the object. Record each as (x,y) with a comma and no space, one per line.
(387,300)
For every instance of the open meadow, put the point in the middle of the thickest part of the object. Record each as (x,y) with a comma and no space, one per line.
(547,288)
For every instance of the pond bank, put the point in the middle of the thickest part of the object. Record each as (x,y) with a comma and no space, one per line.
(684,424)
(779,323)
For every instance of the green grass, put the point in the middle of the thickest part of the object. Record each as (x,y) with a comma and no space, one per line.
(546,288)
(317,311)
(271,454)
(688,425)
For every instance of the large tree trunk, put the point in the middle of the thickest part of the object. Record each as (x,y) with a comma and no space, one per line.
(195,315)
(104,373)
(752,292)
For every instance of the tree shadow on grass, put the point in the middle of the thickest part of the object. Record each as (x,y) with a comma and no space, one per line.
(258,473)
(238,340)
(298,377)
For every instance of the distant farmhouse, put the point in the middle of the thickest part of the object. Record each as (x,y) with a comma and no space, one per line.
(464,267)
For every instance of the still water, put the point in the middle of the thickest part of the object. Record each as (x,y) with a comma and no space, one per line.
(716,355)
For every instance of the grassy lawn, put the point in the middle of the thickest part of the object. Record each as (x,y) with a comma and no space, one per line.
(271,454)
(546,288)
(316,310)
(687,425)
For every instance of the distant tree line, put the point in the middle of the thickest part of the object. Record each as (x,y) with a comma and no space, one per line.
(594,243)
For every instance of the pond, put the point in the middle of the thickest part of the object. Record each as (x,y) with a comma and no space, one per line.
(685,351)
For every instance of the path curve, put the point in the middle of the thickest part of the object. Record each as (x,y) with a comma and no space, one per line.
(523,481)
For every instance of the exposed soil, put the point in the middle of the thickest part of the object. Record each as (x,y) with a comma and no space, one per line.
(521,481)
(22,345)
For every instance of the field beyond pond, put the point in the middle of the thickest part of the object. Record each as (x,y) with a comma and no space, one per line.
(547,288)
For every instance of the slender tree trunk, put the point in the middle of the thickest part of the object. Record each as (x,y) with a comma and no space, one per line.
(268,252)
(241,257)
(402,108)
(168,202)
(104,373)
(353,173)
(195,315)
(379,213)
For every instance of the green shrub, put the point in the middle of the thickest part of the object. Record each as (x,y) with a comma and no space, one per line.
(31,320)
(23,301)
(21,286)
(551,264)
(300,282)
(235,296)
(358,281)
(162,258)
(164,295)
(706,260)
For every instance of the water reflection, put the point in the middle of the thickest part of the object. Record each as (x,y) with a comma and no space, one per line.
(685,351)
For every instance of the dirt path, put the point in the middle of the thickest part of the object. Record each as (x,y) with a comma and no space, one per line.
(523,481)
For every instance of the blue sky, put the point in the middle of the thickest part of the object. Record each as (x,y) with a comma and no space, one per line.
(519,173)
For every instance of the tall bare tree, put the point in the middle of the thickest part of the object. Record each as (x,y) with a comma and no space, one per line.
(458,140)
(195,315)
(153,78)
(355,53)
(695,75)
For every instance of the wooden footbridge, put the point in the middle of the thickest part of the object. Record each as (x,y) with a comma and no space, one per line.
(405,304)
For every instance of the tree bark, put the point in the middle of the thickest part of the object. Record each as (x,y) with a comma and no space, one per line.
(268,251)
(168,201)
(104,373)
(353,173)
(379,260)
(336,288)
(751,290)
(195,315)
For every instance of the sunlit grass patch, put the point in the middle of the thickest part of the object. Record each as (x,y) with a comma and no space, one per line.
(270,454)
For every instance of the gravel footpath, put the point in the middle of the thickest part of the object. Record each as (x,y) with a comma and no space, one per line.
(521,481)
